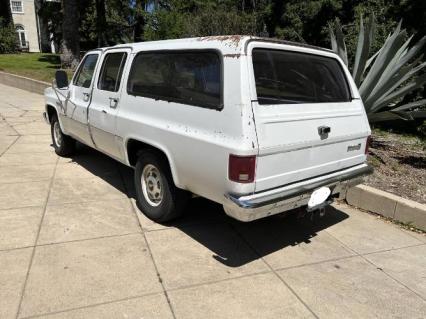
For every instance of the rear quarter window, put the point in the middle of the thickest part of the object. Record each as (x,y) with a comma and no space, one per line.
(185,77)
(286,77)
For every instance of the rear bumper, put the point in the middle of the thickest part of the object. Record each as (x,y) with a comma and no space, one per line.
(254,206)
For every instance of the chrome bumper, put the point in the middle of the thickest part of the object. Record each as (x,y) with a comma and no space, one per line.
(254,206)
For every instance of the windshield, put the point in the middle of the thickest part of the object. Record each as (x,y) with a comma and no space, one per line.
(286,77)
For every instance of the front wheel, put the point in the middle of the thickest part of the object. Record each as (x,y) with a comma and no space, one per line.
(156,194)
(64,145)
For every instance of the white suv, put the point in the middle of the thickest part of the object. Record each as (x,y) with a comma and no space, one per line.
(258,125)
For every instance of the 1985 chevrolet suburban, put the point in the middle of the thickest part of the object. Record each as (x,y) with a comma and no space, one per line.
(258,125)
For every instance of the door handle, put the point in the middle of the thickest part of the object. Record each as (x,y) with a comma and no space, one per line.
(105,112)
(113,102)
(323,130)
(86,97)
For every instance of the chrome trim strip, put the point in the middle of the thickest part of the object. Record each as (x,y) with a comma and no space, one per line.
(271,120)
(297,189)
(309,144)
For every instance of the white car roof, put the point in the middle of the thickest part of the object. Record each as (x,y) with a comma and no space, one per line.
(232,45)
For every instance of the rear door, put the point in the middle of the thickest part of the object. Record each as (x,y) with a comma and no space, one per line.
(309,118)
(106,100)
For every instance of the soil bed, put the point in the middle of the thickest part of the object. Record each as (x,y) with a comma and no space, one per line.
(399,163)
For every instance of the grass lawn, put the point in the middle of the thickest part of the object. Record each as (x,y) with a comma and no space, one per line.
(39,66)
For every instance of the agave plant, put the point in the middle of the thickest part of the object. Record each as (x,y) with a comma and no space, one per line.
(385,77)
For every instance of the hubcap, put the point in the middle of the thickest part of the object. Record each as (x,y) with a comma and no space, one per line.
(57,134)
(152,187)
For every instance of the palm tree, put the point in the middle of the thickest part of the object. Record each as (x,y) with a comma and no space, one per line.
(71,39)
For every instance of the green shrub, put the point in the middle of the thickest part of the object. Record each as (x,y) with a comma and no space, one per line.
(7,38)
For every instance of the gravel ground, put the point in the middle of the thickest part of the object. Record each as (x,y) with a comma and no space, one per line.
(400,165)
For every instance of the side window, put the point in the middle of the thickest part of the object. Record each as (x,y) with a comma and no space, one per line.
(112,70)
(84,74)
(185,77)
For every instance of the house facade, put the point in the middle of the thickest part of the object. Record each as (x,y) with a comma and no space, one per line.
(28,26)
(25,21)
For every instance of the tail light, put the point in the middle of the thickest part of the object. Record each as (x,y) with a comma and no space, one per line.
(367,144)
(241,169)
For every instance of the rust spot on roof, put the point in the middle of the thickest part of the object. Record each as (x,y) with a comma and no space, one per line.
(235,55)
(234,39)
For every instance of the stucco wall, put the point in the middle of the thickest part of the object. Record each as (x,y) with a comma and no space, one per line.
(28,20)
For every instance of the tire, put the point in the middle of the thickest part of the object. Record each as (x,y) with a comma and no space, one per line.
(156,194)
(64,145)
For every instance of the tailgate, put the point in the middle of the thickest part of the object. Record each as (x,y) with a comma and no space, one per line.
(307,122)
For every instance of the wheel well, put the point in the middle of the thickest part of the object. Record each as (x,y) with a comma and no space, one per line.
(50,112)
(134,147)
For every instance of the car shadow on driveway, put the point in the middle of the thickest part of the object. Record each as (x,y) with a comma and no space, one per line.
(264,236)
(232,243)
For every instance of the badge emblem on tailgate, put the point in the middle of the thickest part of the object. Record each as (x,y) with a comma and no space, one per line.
(354,147)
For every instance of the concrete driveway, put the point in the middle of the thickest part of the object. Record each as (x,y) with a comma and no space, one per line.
(74,245)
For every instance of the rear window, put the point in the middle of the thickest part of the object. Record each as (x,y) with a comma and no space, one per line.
(185,77)
(285,77)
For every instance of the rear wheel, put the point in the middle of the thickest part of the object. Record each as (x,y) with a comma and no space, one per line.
(64,145)
(156,194)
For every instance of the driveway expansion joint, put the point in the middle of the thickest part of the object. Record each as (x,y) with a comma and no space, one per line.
(166,295)
(382,270)
(91,305)
(274,272)
(36,239)
(11,144)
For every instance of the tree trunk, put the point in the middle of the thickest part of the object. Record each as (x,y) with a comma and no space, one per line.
(101,24)
(71,39)
(45,46)
(139,21)
(274,20)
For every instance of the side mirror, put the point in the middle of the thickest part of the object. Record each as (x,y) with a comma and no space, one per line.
(61,79)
